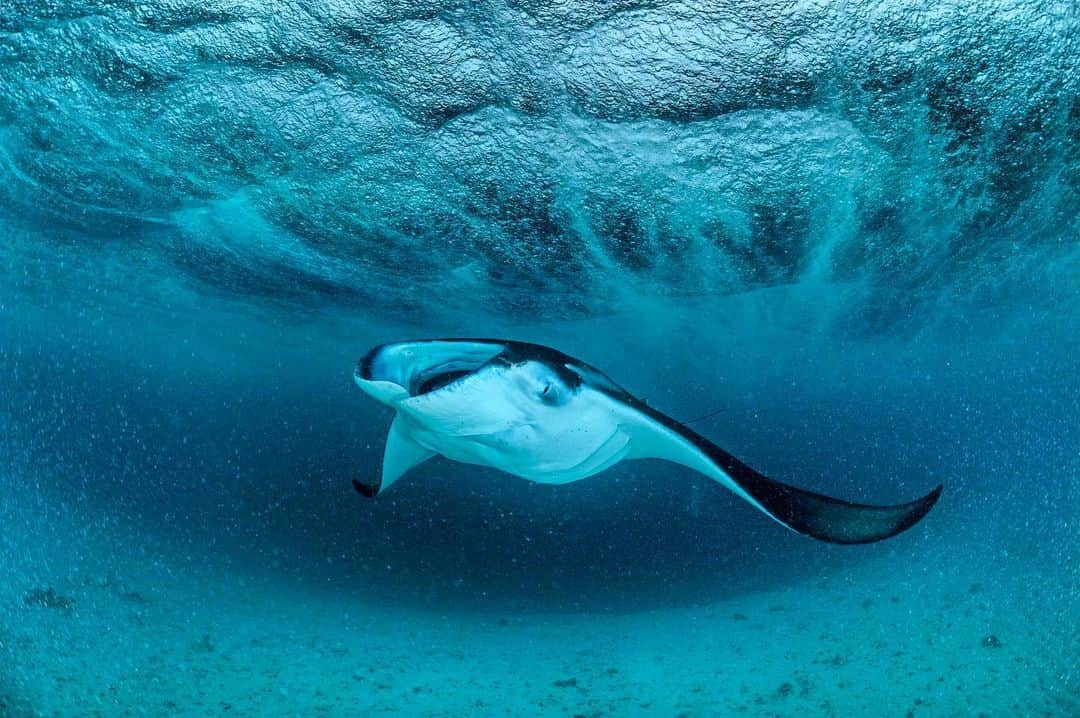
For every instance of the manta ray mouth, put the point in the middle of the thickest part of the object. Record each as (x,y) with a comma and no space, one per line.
(425,383)
(416,368)
(439,381)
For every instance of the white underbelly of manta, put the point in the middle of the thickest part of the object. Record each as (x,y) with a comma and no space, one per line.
(541,449)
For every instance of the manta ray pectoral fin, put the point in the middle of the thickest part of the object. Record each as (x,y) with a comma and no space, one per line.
(824,517)
(816,515)
(401,454)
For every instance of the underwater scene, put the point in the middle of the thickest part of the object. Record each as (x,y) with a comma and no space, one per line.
(539,358)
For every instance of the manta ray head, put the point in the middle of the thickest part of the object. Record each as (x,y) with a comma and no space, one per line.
(518,407)
(394,373)
(467,387)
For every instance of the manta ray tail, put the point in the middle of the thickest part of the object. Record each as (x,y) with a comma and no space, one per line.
(823,517)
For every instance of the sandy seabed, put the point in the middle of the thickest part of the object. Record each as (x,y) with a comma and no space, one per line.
(102,626)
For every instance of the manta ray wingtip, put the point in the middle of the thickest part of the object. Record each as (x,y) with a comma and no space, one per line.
(368,491)
(862,524)
(922,506)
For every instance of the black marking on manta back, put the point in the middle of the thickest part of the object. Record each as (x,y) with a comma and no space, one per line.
(512,353)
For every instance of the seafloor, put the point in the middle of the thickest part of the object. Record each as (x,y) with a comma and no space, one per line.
(102,623)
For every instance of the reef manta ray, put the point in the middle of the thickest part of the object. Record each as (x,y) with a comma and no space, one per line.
(535,412)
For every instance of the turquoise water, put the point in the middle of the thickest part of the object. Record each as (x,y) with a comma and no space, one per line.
(844,234)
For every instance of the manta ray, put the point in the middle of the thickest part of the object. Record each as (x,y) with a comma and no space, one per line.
(537,413)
